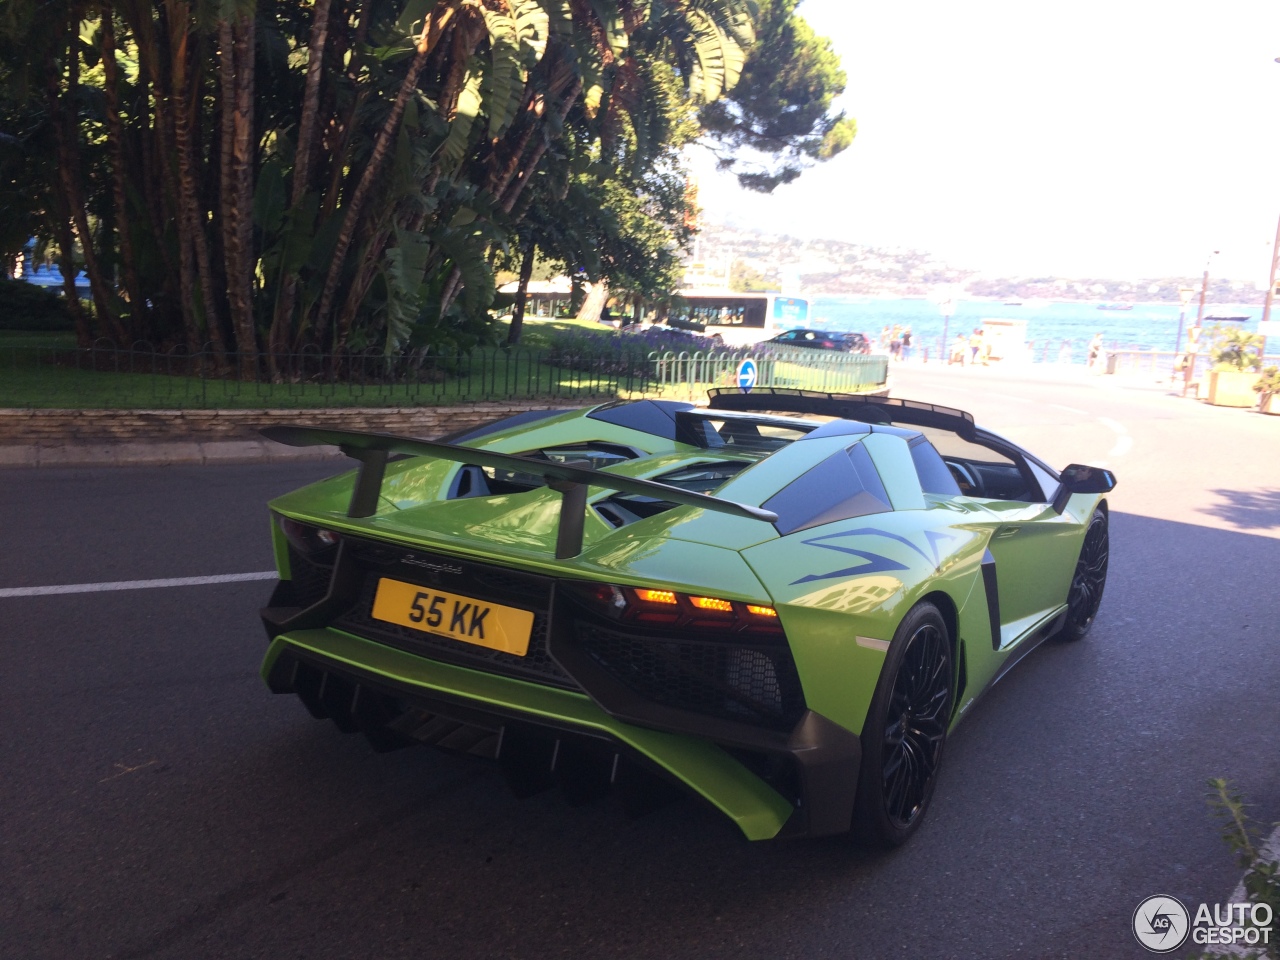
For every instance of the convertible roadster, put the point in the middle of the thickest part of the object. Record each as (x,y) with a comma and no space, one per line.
(782,602)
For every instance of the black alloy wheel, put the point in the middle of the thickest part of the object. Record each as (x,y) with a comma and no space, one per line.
(906,730)
(1089,580)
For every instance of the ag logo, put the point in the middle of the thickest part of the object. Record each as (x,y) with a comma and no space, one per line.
(1161,924)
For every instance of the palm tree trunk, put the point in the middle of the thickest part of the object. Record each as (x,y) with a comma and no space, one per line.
(185,104)
(66,142)
(455,284)
(522,291)
(236,68)
(437,22)
(154,46)
(244,157)
(67,264)
(359,287)
(310,103)
(156,149)
(115,142)
(283,320)
(516,187)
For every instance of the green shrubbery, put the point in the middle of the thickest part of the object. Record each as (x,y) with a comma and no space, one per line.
(1235,349)
(1262,873)
(1268,385)
(24,306)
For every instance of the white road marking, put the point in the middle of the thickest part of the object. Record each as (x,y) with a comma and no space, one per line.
(135,584)
(1076,410)
(1124,442)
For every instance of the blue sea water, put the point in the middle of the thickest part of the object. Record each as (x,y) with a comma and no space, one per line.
(1051,325)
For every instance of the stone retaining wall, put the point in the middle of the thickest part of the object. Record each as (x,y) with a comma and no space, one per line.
(51,427)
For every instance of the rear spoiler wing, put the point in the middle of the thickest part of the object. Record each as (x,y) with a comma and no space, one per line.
(568,479)
(864,407)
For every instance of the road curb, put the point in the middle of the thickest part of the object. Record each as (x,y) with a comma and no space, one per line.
(91,452)
(161,453)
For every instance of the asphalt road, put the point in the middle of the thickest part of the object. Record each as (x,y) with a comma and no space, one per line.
(157,801)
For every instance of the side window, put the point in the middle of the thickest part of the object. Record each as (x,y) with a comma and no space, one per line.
(980,471)
(843,486)
(935,477)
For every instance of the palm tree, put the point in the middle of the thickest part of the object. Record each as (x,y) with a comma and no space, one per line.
(264,174)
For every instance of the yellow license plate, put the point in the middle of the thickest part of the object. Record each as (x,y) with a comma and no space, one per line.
(450,615)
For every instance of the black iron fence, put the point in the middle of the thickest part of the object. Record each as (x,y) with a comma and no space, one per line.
(105,376)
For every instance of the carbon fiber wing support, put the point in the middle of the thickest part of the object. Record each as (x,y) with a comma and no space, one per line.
(570,480)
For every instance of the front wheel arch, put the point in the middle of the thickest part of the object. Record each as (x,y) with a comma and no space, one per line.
(1089,578)
(951,616)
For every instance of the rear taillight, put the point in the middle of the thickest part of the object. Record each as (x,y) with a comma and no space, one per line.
(661,607)
(314,543)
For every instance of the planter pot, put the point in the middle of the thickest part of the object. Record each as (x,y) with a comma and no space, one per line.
(1272,404)
(1232,388)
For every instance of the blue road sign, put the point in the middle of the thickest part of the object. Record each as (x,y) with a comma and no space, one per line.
(747,375)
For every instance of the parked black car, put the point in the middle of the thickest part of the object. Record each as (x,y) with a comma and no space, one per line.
(824,340)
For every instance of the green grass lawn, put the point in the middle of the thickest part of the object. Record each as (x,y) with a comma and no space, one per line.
(539,334)
(23,338)
(41,373)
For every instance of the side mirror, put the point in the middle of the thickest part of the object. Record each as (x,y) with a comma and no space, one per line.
(1079,478)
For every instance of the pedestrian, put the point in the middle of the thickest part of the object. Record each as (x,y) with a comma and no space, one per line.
(906,343)
(959,350)
(1095,351)
(975,345)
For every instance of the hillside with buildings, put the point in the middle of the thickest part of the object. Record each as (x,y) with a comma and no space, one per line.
(750,260)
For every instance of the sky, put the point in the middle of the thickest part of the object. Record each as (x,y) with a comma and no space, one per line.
(1117,139)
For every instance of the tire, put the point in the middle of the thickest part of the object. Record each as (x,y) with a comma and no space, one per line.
(905,731)
(1089,579)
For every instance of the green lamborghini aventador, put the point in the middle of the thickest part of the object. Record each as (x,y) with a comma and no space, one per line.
(782,602)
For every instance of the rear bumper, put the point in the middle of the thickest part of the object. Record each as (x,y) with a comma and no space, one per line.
(368,686)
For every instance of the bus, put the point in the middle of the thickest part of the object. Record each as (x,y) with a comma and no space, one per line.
(740,319)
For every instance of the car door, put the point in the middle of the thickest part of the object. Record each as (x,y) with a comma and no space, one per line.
(1034,550)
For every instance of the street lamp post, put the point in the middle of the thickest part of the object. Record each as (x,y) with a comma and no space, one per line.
(1204,287)
(1193,335)
(1184,298)
(1271,290)
(948,307)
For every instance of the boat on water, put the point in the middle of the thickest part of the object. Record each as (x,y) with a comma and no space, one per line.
(1115,306)
(1226,318)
